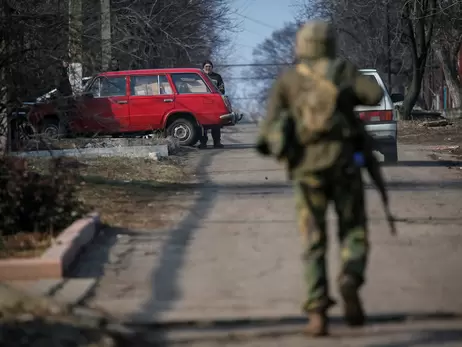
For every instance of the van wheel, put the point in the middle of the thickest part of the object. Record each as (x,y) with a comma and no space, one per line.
(184,131)
(391,155)
(52,129)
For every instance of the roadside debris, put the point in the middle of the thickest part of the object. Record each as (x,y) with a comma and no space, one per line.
(435,123)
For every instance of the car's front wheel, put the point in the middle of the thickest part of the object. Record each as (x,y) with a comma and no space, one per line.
(52,129)
(184,130)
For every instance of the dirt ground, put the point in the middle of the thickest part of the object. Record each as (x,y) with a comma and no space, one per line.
(122,190)
(448,138)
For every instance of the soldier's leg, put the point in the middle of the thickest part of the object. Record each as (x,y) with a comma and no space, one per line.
(311,204)
(350,207)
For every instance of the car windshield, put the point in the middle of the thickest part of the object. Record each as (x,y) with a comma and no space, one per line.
(86,83)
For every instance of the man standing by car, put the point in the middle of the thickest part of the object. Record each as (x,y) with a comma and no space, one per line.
(207,66)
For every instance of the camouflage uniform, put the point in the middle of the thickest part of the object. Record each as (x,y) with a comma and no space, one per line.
(323,169)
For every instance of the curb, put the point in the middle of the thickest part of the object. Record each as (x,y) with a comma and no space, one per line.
(133,151)
(54,262)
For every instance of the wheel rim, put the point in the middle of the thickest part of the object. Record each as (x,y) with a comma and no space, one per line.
(51,132)
(181,132)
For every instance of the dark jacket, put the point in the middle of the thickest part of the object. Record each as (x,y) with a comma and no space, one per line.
(218,81)
(62,83)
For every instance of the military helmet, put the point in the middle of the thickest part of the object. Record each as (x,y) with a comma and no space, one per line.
(315,39)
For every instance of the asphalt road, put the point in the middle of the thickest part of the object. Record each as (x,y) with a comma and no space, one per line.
(233,253)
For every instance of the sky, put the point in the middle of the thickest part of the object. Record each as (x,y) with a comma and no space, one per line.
(258,19)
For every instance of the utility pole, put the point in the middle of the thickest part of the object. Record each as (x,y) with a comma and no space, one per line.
(106,41)
(387,10)
(75,44)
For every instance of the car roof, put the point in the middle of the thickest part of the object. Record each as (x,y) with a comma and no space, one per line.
(150,71)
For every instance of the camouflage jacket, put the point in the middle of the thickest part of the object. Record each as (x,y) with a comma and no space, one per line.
(354,89)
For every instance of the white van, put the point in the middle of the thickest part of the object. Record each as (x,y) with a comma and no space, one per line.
(381,121)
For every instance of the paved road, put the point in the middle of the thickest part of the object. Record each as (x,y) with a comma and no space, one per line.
(233,252)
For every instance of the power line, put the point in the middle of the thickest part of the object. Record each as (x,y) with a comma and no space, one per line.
(256,21)
(252,78)
(254,64)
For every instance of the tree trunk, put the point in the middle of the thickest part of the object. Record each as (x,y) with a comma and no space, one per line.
(420,32)
(412,95)
(106,42)
(4,81)
(448,61)
(75,44)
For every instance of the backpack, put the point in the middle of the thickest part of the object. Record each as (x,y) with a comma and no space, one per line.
(316,103)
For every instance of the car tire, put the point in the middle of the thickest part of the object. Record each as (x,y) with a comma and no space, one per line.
(52,129)
(184,130)
(391,155)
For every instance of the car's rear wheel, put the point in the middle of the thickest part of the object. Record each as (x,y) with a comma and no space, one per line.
(184,130)
(390,155)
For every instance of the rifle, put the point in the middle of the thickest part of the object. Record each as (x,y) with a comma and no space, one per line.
(372,165)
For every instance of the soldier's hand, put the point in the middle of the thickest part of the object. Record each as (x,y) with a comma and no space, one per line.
(263,148)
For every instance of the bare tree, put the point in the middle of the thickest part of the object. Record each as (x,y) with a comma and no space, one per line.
(37,36)
(447,45)
(387,43)
(418,23)
(271,57)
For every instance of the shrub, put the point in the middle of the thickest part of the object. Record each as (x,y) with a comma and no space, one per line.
(32,202)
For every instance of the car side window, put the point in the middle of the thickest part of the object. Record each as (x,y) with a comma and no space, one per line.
(189,83)
(113,86)
(150,85)
(164,84)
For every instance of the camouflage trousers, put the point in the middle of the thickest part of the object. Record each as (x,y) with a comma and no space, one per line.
(313,194)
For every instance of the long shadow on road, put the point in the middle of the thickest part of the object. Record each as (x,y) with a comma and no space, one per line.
(165,287)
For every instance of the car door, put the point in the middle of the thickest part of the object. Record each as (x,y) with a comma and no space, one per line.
(151,98)
(193,95)
(106,109)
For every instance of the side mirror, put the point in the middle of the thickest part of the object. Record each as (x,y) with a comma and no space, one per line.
(397,97)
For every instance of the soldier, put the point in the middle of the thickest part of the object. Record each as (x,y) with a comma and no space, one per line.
(216,78)
(311,126)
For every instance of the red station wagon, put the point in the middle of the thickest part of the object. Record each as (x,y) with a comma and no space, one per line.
(178,101)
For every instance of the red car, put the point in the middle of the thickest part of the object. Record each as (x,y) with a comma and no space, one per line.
(178,101)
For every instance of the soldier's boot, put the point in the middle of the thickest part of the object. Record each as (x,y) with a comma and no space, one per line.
(202,145)
(218,145)
(353,308)
(318,324)
(318,321)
